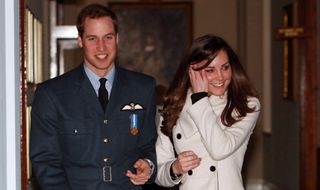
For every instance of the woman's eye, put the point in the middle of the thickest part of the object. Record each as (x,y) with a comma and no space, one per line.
(226,67)
(209,70)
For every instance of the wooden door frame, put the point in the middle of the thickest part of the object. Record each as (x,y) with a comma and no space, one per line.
(24,180)
(308,92)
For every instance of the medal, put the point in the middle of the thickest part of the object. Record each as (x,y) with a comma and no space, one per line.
(134,124)
(134,119)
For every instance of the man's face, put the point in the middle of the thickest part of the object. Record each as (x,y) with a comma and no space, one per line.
(99,43)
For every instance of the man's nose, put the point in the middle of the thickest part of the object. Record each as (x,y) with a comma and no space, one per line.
(101,46)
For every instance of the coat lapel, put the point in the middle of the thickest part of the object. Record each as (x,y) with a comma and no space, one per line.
(187,125)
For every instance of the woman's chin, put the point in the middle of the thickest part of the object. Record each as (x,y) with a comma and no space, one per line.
(216,93)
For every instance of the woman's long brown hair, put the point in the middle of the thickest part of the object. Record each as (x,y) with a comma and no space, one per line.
(206,48)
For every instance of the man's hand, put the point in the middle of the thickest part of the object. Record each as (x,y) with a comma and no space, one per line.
(143,172)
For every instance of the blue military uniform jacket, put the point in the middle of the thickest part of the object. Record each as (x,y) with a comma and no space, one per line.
(75,145)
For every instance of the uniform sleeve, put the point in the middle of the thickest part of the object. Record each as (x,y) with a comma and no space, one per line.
(165,157)
(45,151)
(148,135)
(219,140)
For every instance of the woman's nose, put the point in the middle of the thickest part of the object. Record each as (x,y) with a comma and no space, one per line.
(220,75)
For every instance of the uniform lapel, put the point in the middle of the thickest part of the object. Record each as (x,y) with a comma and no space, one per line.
(118,92)
(86,92)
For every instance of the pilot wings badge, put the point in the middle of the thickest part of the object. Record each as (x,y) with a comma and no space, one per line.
(132,107)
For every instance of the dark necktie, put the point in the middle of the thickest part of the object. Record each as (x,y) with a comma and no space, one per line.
(103,93)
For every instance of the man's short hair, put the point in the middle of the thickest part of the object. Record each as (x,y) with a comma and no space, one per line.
(95,11)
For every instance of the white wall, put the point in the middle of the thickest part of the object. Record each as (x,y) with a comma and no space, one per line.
(2,101)
(10,178)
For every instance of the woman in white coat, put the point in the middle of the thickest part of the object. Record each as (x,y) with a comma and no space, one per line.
(210,111)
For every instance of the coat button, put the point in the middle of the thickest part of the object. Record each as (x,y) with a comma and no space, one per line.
(212,168)
(190,172)
(105,140)
(105,160)
(105,121)
(179,136)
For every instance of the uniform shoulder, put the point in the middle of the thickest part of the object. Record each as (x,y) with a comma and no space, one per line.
(63,80)
(134,76)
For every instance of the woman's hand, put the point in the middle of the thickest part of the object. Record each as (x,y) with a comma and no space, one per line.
(184,162)
(198,80)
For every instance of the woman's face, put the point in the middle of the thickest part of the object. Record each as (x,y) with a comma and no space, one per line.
(219,74)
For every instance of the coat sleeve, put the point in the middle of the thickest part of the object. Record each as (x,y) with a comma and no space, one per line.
(165,156)
(45,152)
(219,140)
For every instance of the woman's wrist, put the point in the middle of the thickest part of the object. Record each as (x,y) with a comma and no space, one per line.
(173,175)
(198,96)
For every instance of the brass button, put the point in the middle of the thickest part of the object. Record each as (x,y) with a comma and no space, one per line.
(105,160)
(105,121)
(105,140)
(75,131)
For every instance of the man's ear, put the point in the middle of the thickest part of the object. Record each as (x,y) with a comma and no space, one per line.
(117,36)
(80,41)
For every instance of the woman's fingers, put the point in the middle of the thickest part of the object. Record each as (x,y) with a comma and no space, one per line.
(188,160)
(198,80)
